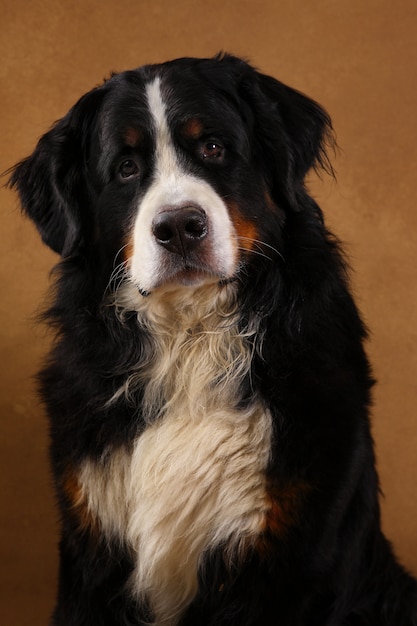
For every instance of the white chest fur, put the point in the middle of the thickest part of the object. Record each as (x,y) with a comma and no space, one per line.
(195,478)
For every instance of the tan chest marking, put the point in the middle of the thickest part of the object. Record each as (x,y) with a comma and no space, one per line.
(188,486)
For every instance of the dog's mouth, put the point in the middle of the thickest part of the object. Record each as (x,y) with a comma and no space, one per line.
(190,275)
(187,274)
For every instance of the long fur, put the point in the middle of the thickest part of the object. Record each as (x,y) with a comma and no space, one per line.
(208,391)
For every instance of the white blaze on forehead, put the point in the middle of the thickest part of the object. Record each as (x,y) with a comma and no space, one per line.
(165,156)
(172,187)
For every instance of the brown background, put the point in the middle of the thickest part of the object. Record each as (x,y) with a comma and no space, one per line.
(359,59)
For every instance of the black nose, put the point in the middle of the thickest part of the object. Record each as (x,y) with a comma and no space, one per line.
(180,230)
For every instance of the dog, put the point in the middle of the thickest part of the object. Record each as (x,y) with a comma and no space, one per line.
(208,390)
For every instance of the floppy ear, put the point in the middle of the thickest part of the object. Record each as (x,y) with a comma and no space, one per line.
(307,125)
(51,182)
(291,130)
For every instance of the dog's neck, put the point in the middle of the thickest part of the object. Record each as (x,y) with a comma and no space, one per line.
(200,355)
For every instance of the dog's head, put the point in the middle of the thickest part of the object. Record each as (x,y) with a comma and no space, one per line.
(186,169)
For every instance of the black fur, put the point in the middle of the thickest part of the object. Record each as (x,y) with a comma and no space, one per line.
(332,566)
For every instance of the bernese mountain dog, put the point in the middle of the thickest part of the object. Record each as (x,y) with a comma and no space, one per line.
(208,390)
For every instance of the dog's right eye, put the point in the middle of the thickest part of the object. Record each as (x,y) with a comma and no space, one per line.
(128,169)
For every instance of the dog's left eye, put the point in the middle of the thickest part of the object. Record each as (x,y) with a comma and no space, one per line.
(128,169)
(211,150)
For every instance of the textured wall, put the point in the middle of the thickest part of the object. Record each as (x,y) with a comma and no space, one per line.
(359,59)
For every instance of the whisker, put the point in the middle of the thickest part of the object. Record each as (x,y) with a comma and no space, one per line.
(117,254)
(117,276)
(255,252)
(262,244)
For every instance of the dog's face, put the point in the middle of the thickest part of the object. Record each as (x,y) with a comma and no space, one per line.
(184,180)
(182,172)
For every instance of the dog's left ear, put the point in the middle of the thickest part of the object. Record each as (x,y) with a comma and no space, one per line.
(51,182)
(292,133)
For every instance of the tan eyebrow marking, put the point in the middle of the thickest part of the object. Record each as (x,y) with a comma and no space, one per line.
(132,136)
(193,128)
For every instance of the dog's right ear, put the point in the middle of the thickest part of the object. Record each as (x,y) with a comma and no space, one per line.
(52,183)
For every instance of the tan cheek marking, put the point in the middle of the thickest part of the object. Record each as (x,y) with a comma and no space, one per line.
(78,502)
(128,249)
(246,230)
